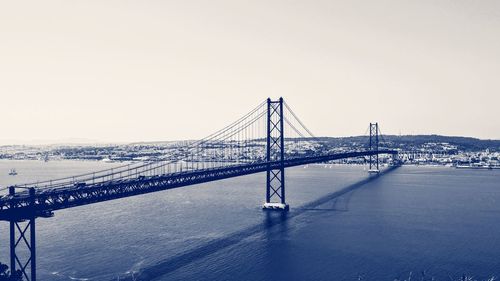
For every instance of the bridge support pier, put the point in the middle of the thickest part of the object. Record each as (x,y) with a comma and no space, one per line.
(23,235)
(275,177)
(374,163)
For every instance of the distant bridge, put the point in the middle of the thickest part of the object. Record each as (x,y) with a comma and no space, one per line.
(254,143)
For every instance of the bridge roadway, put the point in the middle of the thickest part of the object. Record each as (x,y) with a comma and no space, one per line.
(42,203)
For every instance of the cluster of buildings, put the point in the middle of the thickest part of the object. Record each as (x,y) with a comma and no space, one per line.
(429,153)
(446,154)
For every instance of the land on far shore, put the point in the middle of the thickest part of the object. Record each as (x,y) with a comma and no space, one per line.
(414,149)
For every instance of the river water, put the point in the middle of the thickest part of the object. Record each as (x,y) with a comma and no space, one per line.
(423,222)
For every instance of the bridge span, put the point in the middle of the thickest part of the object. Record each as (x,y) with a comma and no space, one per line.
(253,144)
(22,205)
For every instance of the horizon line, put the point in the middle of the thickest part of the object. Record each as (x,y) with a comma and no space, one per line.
(82,141)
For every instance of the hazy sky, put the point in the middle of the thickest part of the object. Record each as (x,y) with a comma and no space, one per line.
(163,70)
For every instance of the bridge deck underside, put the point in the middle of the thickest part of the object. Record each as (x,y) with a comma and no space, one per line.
(22,205)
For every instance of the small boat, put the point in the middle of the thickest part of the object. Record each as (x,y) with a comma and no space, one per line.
(12,172)
(374,171)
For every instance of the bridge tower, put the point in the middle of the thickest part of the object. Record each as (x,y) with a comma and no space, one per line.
(374,167)
(22,235)
(275,156)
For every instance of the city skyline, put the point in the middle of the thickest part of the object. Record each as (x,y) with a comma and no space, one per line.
(128,72)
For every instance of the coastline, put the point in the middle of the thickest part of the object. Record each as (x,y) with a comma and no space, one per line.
(471,167)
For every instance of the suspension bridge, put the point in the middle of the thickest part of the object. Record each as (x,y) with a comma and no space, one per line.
(269,138)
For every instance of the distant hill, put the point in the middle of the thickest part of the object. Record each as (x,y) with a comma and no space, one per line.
(466,143)
(463,143)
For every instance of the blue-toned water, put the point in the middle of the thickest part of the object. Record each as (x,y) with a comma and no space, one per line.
(433,221)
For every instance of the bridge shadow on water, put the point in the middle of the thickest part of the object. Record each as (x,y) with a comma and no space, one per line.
(171,264)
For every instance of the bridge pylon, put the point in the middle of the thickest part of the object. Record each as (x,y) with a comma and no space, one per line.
(374,163)
(275,177)
(22,235)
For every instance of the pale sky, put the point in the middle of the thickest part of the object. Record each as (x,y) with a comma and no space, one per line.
(165,70)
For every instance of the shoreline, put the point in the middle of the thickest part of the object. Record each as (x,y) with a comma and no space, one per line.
(462,167)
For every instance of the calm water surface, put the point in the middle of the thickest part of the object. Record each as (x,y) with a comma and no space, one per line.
(440,222)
